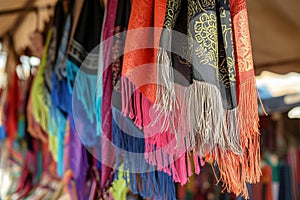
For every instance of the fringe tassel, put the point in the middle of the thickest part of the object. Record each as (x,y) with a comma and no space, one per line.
(245,168)
(230,172)
(132,100)
(165,103)
(233,131)
(147,184)
(209,121)
(169,151)
(249,130)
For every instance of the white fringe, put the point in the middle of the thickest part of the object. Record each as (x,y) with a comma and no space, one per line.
(210,124)
(195,114)
(233,130)
(165,103)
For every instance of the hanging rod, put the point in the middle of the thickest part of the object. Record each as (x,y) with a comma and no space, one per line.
(25,9)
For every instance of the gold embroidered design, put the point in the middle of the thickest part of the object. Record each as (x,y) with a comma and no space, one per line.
(227,72)
(194,6)
(205,28)
(244,51)
(172,11)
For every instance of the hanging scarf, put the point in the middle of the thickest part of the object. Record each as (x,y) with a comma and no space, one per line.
(245,168)
(82,54)
(81,69)
(143,178)
(11,122)
(212,93)
(136,97)
(107,87)
(246,86)
(41,96)
(137,82)
(57,29)
(78,161)
(212,102)
(60,95)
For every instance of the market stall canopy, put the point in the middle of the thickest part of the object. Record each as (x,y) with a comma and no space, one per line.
(20,18)
(274,26)
(275,33)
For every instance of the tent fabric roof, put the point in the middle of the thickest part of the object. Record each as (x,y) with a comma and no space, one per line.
(275,33)
(22,24)
(274,27)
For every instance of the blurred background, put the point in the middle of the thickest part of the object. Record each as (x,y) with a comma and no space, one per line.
(275,34)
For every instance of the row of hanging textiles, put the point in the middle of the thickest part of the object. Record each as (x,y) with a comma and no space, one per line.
(280,177)
(280,154)
(280,180)
(280,166)
(116,106)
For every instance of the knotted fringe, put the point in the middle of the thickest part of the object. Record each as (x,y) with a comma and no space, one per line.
(129,148)
(209,121)
(165,103)
(167,151)
(244,168)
